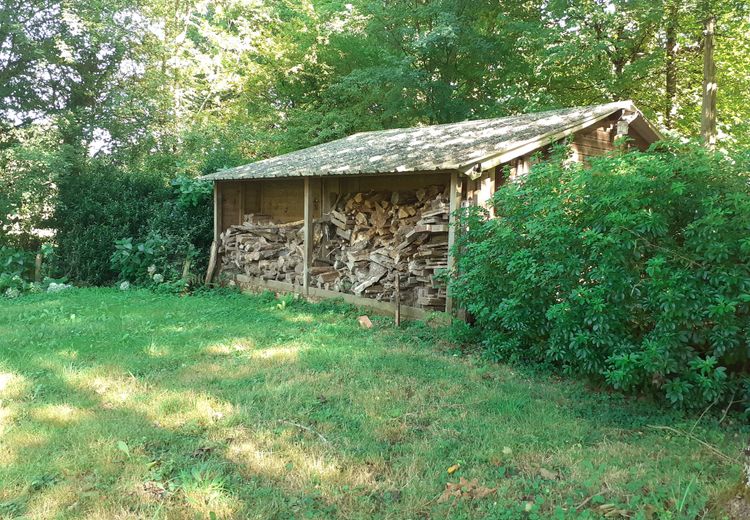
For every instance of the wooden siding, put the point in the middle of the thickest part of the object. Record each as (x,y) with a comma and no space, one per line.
(393,182)
(593,141)
(282,199)
(229,200)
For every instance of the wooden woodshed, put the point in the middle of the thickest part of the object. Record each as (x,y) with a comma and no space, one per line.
(370,217)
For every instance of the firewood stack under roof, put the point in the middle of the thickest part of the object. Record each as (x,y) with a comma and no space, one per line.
(359,247)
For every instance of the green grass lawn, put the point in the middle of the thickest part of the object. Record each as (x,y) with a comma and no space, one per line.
(137,405)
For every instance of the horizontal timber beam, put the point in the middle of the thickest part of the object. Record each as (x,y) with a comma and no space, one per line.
(253,284)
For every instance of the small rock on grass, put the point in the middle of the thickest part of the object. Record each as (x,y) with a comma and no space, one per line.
(364,322)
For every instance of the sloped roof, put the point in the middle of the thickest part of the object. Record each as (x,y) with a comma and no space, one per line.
(465,146)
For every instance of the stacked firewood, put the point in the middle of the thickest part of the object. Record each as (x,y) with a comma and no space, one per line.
(260,248)
(370,238)
(360,247)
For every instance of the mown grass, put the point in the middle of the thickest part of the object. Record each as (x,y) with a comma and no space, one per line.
(137,405)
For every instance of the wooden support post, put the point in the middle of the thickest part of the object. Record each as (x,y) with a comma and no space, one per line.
(493,188)
(217,211)
(38,268)
(453,201)
(307,248)
(186,267)
(397,317)
(622,128)
(212,260)
(485,189)
(241,185)
(214,256)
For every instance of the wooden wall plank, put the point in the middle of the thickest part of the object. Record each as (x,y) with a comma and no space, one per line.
(282,199)
(392,182)
(251,196)
(241,204)
(454,195)
(230,203)
(251,284)
(307,249)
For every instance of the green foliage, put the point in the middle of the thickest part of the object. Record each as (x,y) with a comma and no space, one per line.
(185,220)
(16,268)
(16,262)
(634,271)
(179,230)
(30,163)
(143,262)
(192,193)
(96,208)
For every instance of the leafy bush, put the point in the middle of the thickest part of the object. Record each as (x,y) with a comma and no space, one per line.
(191,192)
(16,262)
(96,208)
(17,271)
(186,221)
(179,230)
(634,271)
(143,262)
(103,206)
(30,163)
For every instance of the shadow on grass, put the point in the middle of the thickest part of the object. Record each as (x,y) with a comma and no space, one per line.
(156,406)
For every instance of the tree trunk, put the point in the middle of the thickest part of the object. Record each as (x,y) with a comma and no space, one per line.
(670,108)
(708,111)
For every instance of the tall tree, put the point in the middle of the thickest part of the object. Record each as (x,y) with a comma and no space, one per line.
(27,59)
(710,88)
(670,85)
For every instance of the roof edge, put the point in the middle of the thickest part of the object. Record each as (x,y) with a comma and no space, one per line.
(490,160)
(501,157)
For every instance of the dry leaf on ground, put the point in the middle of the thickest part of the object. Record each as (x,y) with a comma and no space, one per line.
(547,474)
(465,489)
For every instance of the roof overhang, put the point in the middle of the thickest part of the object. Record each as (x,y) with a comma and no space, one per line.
(475,168)
(626,112)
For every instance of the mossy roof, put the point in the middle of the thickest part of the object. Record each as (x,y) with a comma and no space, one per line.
(447,147)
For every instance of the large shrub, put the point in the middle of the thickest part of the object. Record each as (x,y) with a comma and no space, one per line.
(97,207)
(634,271)
(180,230)
(100,206)
(29,166)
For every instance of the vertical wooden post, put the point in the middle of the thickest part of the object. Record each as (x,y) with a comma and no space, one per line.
(308,238)
(485,189)
(453,200)
(217,212)
(214,257)
(493,188)
(38,268)
(397,317)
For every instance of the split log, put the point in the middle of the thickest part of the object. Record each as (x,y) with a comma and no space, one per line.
(363,245)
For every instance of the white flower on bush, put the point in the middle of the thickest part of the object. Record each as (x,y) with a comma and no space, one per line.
(12,292)
(124,286)
(55,287)
(151,270)
(158,278)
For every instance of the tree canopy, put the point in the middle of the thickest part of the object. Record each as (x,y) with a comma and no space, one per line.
(188,87)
